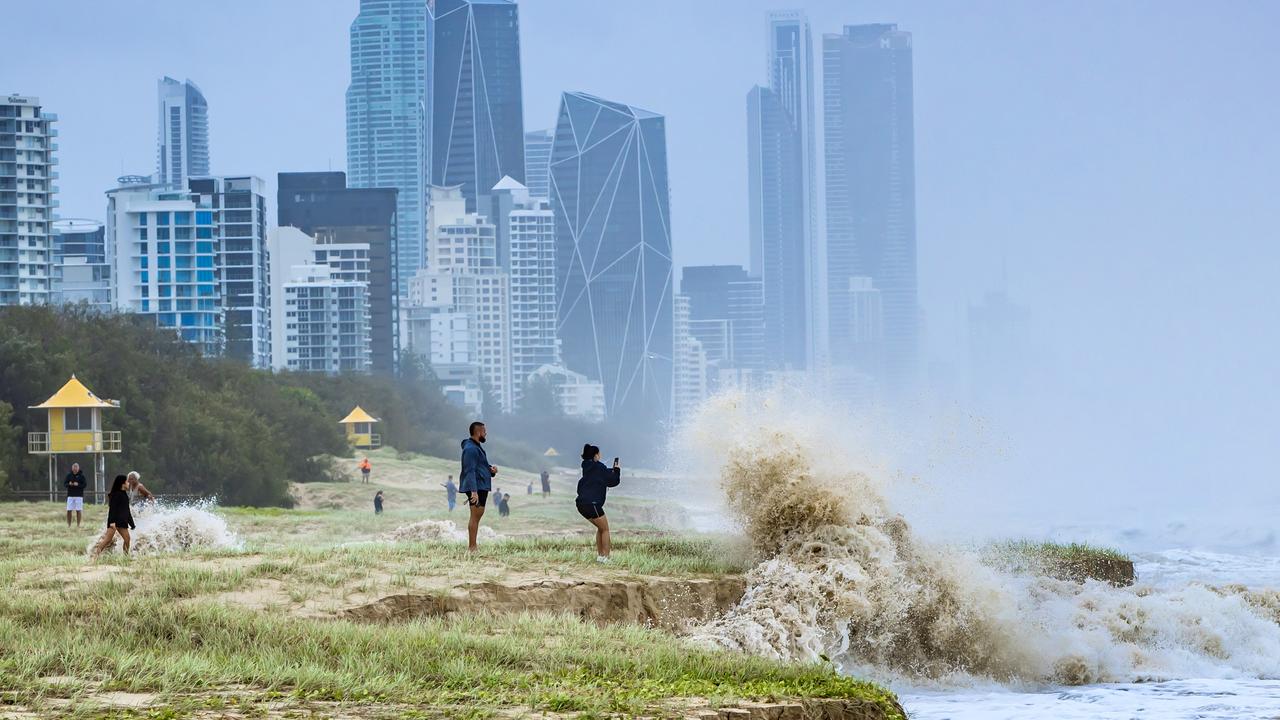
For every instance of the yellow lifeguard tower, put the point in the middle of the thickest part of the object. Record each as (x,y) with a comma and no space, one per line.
(75,428)
(360,429)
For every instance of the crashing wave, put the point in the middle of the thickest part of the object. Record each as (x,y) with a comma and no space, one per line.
(842,577)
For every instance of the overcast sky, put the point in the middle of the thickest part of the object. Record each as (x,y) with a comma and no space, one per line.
(1113,165)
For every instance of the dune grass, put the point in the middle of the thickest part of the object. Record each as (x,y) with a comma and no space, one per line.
(122,642)
(162,625)
(1066,561)
(1062,552)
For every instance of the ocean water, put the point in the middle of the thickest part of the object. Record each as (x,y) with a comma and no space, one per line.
(844,578)
(1224,694)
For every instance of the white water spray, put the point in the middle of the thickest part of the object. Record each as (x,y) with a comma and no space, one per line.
(168,528)
(843,577)
(435,531)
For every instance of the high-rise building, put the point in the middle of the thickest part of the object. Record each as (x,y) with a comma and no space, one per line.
(240,219)
(80,270)
(182,143)
(162,246)
(537,161)
(780,141)
(689,387)
(476,111)
(321,205)
(746,318)
(387,127)
(864,327)
(727,314)
(613,252)
(463,276)
(26,200)
(870,169)
(319,304)
(526,228)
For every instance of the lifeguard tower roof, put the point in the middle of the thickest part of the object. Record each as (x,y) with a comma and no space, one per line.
(358,416)
(75,395)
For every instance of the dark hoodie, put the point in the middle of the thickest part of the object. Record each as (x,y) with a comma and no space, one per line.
(77,478)
(475,475)
(597,478)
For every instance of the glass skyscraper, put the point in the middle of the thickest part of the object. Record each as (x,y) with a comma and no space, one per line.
(476,122)
(613,250)
(182,145)
(537,161)
(871,202)
(780,183)
(386,115)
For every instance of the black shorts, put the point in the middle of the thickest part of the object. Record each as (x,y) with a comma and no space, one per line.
(481,497)
(590,511)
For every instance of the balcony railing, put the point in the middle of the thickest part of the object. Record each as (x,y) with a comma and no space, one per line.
(102,441)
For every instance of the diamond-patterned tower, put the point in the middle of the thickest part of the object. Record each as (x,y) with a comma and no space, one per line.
(474,103)
(613,251)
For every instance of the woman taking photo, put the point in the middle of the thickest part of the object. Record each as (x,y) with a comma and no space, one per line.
(595,483)
(119,518)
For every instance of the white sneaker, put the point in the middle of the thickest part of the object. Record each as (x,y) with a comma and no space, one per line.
(602,559)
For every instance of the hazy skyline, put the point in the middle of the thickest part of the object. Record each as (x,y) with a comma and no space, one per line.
(1113,166)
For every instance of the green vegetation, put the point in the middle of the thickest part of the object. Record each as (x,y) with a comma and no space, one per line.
(1062,552)
(195,425)
(1066,561)
(254,630)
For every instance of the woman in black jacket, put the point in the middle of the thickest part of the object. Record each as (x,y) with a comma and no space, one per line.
(119,518)
(592,488)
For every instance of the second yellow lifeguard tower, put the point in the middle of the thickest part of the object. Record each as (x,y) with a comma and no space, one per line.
(75,428)
(359,426)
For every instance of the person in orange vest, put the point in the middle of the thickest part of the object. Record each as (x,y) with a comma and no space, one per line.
(365,469)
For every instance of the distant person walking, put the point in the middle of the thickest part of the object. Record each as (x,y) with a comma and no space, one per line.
(136,490)
(504,506)
(119,518)
(450,493)
(365,469)
(592,488)
(476,478)
(377,503)
(75,484)
(545,477)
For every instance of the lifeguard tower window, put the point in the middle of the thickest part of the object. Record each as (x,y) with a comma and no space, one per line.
(77,419)
(362,429)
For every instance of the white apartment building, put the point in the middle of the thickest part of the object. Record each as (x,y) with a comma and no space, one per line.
(164,258)
(326,322)
(27,201)
(195,259)
(527,240)
(319,303)
(578,396)
(463,277)
(182,138)
(689,386)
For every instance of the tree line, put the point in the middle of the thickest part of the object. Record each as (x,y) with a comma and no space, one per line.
(204,426)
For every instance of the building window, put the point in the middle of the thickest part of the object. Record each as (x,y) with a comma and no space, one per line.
(77,419)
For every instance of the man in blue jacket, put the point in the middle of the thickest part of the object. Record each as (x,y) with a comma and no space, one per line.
(476,479)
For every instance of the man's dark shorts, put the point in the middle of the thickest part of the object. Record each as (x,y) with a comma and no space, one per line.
(590,511)
(481,497)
